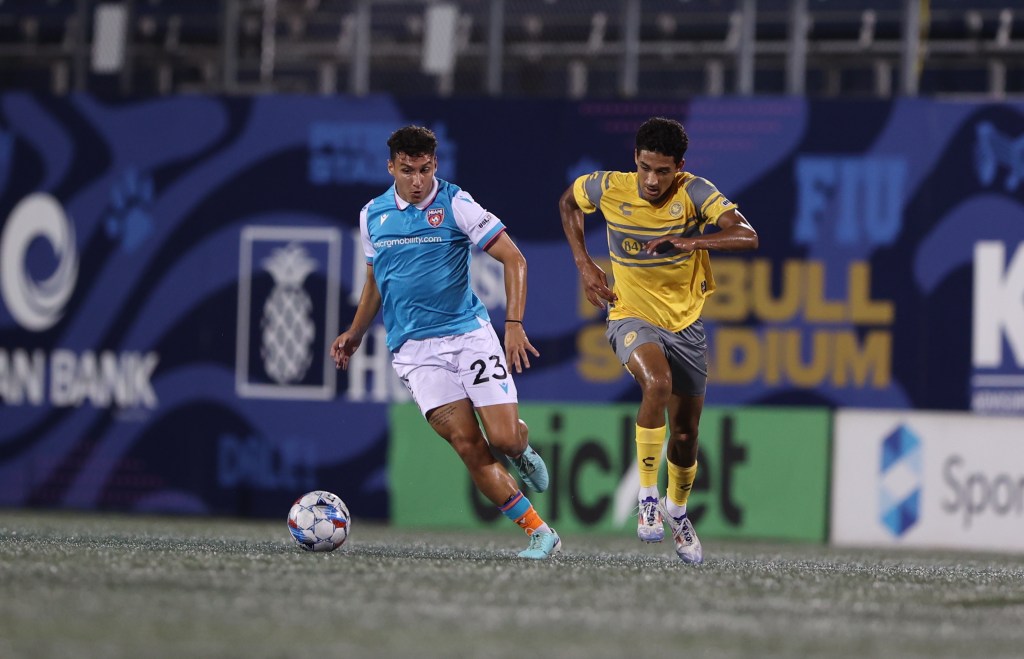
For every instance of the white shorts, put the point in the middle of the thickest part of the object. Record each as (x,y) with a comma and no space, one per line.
(445,369)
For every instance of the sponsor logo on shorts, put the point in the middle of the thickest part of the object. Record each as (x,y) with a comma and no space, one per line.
(629,339)
(435,216)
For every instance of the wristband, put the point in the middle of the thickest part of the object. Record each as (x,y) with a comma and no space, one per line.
(513,321)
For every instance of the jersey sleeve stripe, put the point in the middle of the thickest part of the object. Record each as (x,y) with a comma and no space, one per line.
(700,190)
(593,187)
(493,238)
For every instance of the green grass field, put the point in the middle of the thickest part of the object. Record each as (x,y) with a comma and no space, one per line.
(82,585)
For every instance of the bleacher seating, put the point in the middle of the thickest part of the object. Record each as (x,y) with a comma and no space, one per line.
(550,47)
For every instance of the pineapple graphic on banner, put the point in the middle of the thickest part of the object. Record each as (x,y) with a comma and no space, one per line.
(288,284)
(288,329)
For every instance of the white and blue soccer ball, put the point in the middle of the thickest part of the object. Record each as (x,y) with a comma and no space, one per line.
(319,521)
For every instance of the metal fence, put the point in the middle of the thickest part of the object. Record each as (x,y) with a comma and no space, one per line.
(543,48)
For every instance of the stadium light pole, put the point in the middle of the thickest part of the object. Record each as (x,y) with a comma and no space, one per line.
(81,45)
(796,57)
(631,48)
(911,47)
(495,46)
(745,48)
(229,46)
(359,68)
(127,69)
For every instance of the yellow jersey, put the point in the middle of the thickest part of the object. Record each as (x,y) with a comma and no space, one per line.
(667,290)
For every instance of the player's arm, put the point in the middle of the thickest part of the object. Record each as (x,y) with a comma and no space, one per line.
(517,346)
(369,304)
(595,281)
(735,235)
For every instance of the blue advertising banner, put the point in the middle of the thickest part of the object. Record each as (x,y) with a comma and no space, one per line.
(172,271)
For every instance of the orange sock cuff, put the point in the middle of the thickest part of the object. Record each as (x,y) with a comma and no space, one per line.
(648,454)
(680,482)
(530,521)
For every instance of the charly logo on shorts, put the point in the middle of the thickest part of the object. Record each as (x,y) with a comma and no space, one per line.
(993,149)
(899,491)
(37,305)
(435,216)
(630,337)
(287,305)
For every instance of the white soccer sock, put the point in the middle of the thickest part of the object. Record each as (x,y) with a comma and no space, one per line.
(674,509)
(647,492)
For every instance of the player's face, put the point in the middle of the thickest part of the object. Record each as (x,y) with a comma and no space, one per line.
(656,173)
(414,175)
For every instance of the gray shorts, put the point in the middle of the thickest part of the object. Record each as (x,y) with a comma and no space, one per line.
(686,350)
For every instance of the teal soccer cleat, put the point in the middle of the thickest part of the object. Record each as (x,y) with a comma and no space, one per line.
(542,545)
(532,469)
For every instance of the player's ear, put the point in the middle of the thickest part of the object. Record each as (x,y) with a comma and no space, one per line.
(682,163)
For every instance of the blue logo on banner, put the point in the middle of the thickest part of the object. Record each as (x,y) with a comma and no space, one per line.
(994,149)
(900,484)
(356,152)
(846,200)
(129,218)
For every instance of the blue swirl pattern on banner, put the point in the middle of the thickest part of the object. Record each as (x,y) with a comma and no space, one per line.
(172,271)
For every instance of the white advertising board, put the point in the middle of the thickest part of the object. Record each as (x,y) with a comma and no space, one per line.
(928,479)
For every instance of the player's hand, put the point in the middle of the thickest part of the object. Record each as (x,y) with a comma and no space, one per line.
(343,347)
(518,347)
(662,245)
(595,286)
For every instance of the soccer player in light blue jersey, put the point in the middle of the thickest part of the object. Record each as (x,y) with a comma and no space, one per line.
(417,238)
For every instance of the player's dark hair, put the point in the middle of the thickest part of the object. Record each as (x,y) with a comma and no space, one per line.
(664,136)
(412,141)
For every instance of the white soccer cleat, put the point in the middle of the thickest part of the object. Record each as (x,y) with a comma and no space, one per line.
(688,547)
(649,526)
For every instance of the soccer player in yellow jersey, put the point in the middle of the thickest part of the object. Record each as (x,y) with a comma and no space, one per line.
(657,223)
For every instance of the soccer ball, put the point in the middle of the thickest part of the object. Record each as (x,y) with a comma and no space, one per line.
(319,521)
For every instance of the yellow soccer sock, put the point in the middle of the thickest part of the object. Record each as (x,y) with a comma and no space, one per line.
(648,454)
(680,481)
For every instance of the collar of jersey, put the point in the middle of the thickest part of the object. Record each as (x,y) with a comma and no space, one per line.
(429,199)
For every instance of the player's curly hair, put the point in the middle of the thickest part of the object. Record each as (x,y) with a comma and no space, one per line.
(664,136)
(412,141)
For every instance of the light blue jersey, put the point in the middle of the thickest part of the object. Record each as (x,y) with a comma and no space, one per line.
(420,256)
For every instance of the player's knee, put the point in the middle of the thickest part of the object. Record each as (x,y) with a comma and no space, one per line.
(682,447)
(466,443)
(510,442)
(657,388)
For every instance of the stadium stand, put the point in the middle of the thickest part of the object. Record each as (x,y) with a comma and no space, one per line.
(547,48)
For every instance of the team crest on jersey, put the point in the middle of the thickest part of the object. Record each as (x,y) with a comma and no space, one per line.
(435,216)
(676,209)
